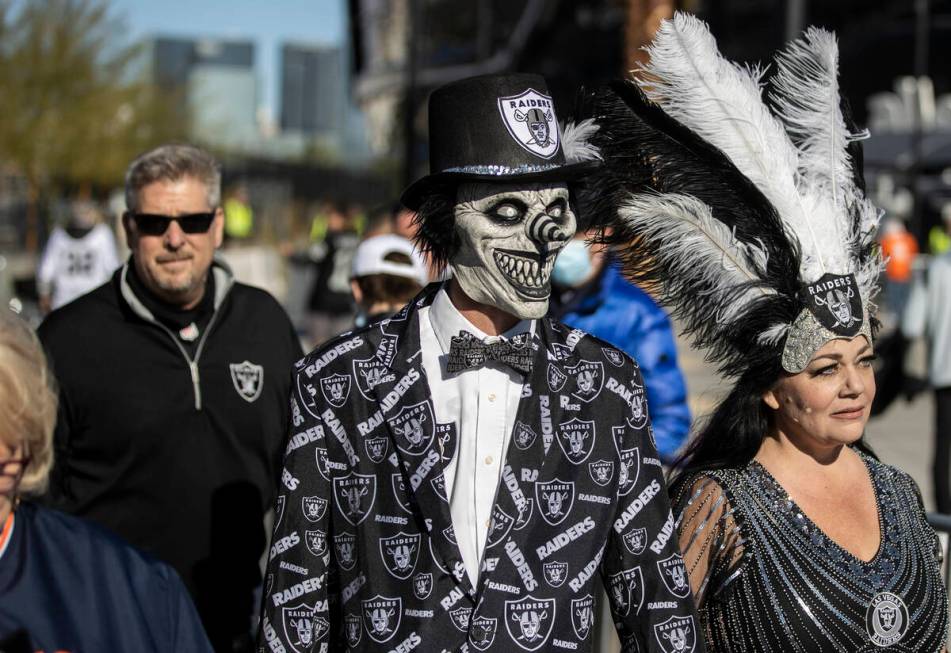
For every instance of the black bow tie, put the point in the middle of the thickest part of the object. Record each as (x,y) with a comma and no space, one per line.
(466,351)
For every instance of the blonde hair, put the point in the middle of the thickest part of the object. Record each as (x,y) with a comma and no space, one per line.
(27,400)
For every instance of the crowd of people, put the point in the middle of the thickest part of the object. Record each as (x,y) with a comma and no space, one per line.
(493,422)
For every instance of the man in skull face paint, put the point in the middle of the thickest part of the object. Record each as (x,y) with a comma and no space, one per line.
(481,515)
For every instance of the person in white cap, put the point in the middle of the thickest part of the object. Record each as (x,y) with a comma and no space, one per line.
(387,273)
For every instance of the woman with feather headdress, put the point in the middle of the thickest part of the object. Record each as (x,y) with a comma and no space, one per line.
(795,537)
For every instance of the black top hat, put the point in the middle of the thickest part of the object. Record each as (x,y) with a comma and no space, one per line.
(493,128)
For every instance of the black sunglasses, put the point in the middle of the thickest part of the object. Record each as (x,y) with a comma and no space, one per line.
(152,224)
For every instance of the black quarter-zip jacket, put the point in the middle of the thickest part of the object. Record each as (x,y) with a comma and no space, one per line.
(174,450)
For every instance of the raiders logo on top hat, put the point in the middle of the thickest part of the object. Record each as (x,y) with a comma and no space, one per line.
(494,128)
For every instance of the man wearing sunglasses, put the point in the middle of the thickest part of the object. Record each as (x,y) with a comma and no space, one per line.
(174,394)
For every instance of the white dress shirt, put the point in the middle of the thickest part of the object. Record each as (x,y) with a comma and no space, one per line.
(482,403)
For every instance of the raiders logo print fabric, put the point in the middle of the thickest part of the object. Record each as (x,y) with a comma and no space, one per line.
(364,557)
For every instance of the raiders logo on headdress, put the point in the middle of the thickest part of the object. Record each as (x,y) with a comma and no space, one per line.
(676,635)
(381,617)
(376,448)
(588,378)
(422,585)
(556,573)
(576,439)
(316,542)
(279,510)
(416,426)
(499,527)
(345,549)
(555,499)
(313,508)
(302,629)
(353,628)
(674,573)
(556,378)
(886,619)
(614,357)
(355,494)
(248,380)
(529,621)
(601,471)
(336,389)
(399,491)
(530,119)
(369,373)
(439,485)
(446,440)
(525,514)
(400,553)
(460,617)
(482,632)
(582,616)
(835,301)
(524,436)
(636,540)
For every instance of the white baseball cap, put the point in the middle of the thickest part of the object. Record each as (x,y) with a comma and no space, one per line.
(369,258)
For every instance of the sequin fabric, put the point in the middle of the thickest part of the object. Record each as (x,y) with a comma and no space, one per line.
(501,170)
(767,579)
(807,336)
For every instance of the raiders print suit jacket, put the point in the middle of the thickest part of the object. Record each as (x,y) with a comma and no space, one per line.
(364,557)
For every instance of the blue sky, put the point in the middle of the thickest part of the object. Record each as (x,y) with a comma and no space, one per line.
(267,22)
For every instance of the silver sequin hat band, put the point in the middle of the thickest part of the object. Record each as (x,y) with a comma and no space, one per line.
(807,336)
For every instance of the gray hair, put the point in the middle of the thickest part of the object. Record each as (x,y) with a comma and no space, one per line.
(172,163)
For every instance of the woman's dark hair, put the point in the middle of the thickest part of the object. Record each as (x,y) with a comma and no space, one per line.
(733,433)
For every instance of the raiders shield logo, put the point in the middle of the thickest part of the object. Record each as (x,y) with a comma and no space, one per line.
(322,462)
(613,356)
(381,617)
(302,628)
(556,378)
(529,621)
(369,373)
(555,499)
(676,635)
(601,471)
(399,491)
(415,426)
(308,394)
(629,467)
(587,378)
(674,573)
(313,508)
(638,404)
(560,352)
(886,619)
(524,436)
(355,494)
(386,350)
(626,589)
(450,534)
(353,628)
(336,389)
(279,510)
(316,542)
(555,573)
(399,554)
(576,439)
(446,441)
(582,616)
(530,119)
(422,585)
(835,302)
(636,540)
(439,487)
(525,514)
(482,632)
(500,526)
(376,449)
(460,618)
(248,380)
(345,548)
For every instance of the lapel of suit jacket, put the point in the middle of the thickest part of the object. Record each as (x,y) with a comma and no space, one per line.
(412,426)
(531,445)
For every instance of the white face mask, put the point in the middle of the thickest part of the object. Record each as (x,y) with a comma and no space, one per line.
(509,237)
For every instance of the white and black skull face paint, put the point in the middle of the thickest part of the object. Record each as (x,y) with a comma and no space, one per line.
(509,237)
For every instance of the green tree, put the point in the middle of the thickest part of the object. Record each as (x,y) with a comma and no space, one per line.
(73,111)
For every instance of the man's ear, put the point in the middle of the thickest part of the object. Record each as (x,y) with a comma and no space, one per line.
(218,227)
(128,229)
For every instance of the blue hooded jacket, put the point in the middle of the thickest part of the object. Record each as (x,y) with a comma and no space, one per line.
(616,310)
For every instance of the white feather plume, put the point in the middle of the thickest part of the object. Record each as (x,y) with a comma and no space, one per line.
(576,141)
(704,259)
(722,102)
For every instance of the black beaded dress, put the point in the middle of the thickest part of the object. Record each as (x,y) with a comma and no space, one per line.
(769,580)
